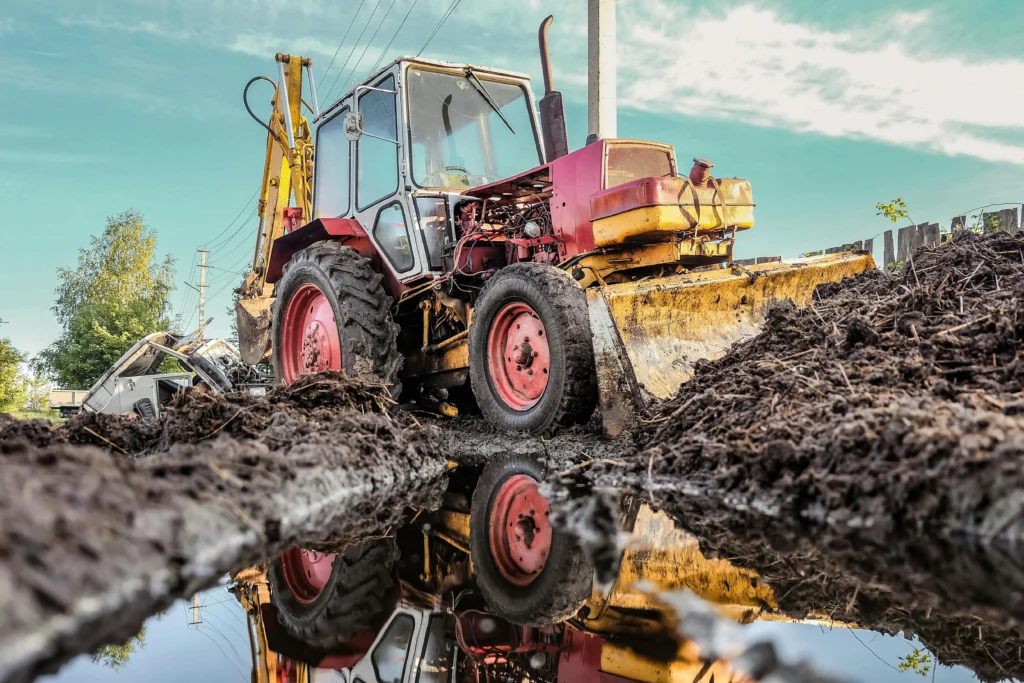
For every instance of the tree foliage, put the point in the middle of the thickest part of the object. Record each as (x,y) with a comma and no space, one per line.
(894,210)
(117,656)
(118,293)
(12,388)
(917,661)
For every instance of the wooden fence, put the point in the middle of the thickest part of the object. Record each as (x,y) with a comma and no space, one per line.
(912,237)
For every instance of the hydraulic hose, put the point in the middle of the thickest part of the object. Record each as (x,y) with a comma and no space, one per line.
(245,100)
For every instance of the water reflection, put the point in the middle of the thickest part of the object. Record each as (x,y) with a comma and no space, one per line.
(626,632)
(414,605)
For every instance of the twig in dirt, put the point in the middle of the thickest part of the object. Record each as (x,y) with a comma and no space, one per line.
(106,440)
(229,478)
(223,424)
(853,598)
(914,269)
(840,366)
(587,463)
(960,327)
(914,330)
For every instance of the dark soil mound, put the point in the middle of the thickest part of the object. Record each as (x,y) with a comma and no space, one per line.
(891,400)
(92,542)
(193,417)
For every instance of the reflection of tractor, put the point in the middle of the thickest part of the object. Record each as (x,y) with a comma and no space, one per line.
(486,582)
(448,237)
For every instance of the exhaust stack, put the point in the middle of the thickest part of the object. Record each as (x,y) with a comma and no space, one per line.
(552,112)
(601,64)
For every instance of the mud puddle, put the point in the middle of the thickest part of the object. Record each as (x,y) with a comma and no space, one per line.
(705,604)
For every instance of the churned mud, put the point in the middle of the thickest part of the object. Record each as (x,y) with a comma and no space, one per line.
(893,402)
(93,542)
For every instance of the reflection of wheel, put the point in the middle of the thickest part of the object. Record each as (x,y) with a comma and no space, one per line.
(530,354)
(331,313)
(528,573)
(325,599)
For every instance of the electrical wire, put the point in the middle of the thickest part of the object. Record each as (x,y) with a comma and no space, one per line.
(351,52)
(244,207)
(370,41)
(451,8)
(214,247)
(350,24)
(387,47)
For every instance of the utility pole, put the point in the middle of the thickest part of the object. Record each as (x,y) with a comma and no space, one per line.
(601,65)
(202,286)
(196,620)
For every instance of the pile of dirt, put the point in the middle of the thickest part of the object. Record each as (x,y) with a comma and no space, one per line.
(92,542)
(893,401)
(192,417)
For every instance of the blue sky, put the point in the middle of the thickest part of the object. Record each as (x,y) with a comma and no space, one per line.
(827,107)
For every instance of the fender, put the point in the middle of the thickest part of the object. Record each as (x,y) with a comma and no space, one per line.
(348,231)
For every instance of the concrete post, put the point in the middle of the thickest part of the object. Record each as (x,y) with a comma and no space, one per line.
(601,64)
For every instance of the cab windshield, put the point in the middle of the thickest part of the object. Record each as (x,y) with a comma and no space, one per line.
(459,140)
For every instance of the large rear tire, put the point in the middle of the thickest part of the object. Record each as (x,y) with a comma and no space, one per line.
(531,358)
(528,573)
(331,312)
(325,600)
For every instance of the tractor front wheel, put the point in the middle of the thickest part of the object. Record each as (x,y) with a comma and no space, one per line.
(331,312)
(531,358)
(527,571)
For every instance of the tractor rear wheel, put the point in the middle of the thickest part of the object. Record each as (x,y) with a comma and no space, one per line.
(528,572)
(531,359)
(331,313)
(326,599)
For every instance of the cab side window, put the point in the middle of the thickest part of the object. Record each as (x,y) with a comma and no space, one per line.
(378,159)
(392,234)
(392,652)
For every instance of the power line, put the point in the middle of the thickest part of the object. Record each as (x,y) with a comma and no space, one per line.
(388,46)
(214,247)
(370,41)
(246,206)
(351,52)
(323,77)
(455,3)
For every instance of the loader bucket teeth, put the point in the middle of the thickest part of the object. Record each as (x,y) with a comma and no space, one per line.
(648,335)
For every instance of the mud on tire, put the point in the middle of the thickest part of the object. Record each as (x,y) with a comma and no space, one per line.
(361,306)
(357,598)
(561,587)
(571,392)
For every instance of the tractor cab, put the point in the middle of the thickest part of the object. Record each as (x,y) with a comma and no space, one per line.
(399,149)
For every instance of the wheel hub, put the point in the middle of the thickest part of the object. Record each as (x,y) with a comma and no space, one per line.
(520,530)
(306,572)
(518,356)
(309,340)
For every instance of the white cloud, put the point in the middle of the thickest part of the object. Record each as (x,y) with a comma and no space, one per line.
(7,25)
(750,65)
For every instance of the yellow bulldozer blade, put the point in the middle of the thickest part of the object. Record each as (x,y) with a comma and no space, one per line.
(648,335)
(253,316)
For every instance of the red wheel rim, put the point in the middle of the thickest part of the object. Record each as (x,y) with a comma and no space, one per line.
(519,530)
(518,357)
(309,342)
(306,572)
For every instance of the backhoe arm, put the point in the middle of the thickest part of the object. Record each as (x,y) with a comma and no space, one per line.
(285,200)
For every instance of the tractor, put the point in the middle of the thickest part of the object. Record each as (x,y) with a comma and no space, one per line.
(438,234)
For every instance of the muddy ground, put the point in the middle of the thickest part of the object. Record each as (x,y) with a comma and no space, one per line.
(892,404)
(93,542)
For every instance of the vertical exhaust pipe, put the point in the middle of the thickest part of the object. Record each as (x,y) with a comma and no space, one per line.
(601,64)
(552,112)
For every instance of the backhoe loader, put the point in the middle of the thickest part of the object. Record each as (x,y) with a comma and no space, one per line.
(447,237)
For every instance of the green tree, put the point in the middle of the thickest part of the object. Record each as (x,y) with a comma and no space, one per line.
(917,661)
(37,392)
(12,389)
(894,210)
(117,656)
(118,293)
